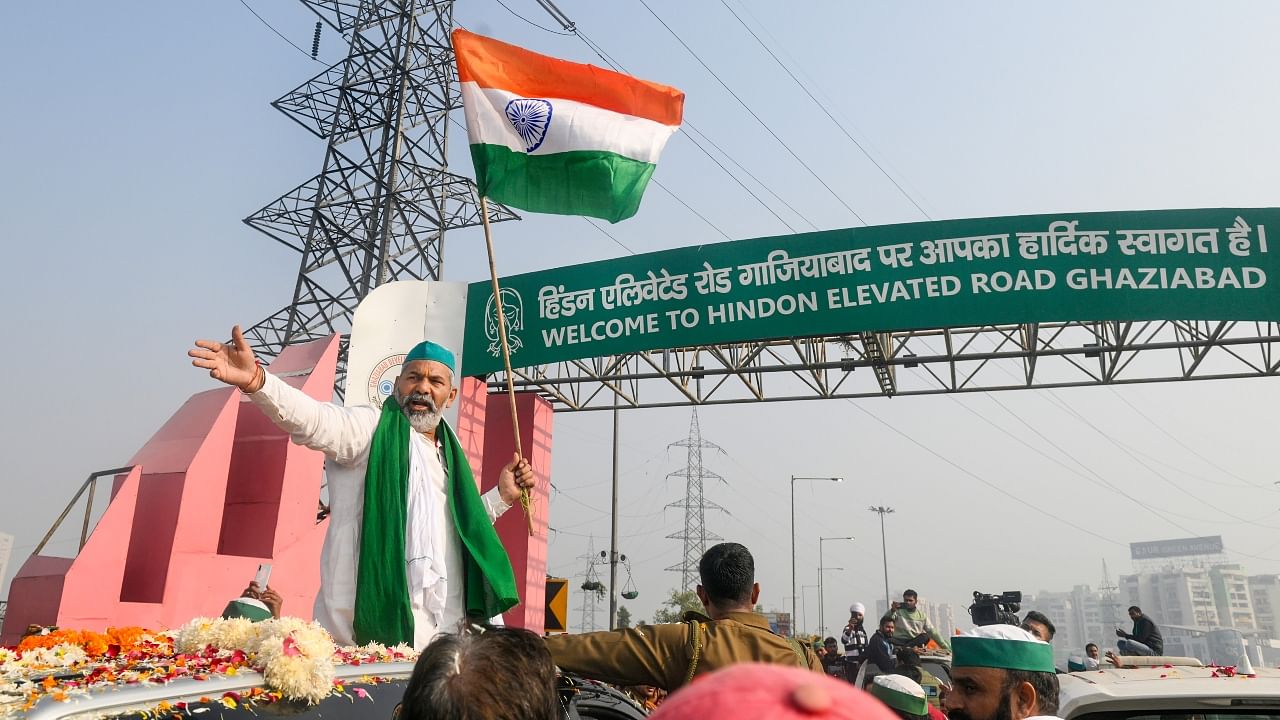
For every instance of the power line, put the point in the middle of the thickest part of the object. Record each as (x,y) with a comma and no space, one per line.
(752,113)
(743,185)
(1063,405)
(277,32)
(1097,478)
(618,67)
(1185,446)
(824,109)
(981,479)
(530,22)
(701,217)
(608,234)
(758,181)
(1159,474)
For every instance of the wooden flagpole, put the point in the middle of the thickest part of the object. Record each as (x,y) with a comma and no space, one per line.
(526,502)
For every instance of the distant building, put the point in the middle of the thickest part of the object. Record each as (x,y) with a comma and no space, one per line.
(1231,595)
(1080,616)
(1264,591)
(1175,596)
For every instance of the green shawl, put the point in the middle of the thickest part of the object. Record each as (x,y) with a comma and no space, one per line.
(382,611)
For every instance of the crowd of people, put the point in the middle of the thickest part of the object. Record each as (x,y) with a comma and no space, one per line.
(726,662)
(410,554)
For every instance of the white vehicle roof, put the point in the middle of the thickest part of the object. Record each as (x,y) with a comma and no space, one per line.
(1179,687)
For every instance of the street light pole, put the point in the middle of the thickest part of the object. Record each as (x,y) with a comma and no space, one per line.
(793,542)
(882,510)
(822,593)
(804,603)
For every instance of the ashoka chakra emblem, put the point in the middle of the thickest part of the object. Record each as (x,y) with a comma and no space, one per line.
(530,118)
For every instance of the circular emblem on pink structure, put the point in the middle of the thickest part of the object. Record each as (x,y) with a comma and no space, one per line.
(382,381)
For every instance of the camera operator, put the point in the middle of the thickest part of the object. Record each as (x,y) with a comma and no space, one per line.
(1001,672)
(911,626)
(1039,625)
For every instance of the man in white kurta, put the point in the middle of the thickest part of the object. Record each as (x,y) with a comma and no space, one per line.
(433,553)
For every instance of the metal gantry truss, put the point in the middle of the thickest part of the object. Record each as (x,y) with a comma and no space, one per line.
(918,362)
(383,199)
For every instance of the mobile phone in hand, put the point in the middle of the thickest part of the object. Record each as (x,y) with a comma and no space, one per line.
(264,574)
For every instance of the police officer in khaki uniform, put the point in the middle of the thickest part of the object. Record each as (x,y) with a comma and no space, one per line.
(670,655)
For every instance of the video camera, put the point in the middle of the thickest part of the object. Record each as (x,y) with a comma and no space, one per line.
(996,609)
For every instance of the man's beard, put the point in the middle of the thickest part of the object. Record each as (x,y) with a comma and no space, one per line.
(423,421)
(1003,710)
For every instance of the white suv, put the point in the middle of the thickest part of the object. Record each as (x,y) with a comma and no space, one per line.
(1169,689)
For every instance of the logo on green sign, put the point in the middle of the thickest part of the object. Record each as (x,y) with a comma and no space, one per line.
(513,312)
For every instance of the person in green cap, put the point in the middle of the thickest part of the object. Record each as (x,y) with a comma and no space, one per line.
(1001,672)
(903,695)
(410,549)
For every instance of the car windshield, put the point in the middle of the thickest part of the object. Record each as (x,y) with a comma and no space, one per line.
(941,671)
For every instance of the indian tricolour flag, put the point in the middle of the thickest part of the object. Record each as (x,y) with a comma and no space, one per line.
(554,136)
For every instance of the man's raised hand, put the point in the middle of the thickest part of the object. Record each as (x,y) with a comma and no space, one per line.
(233,363)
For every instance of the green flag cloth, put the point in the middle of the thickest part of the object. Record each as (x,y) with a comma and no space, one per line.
(383,612)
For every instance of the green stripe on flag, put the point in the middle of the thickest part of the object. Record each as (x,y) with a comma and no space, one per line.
(582,182)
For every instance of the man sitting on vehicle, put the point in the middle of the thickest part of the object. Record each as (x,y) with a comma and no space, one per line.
(911,626)
(669,655)
(497,674)
(1092,657)
(1001,672)
(880,650)
(1145,638)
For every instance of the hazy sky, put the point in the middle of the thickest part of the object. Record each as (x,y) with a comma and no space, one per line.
(137,135)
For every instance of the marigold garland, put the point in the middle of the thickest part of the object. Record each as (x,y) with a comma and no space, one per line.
(297,660)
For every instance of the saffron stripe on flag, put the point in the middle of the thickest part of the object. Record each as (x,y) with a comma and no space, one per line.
(598,184)
(494,64)
(573,126)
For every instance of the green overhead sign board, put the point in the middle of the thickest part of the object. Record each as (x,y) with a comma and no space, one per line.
(1210,264)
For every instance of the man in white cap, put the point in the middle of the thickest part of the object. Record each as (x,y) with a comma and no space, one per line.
(1001,672)
(903,695)
(410,549)
(854,640)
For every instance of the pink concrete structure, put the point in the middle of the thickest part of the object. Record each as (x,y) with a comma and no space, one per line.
(484,427)
(219,489)
(215,492)
(528,553)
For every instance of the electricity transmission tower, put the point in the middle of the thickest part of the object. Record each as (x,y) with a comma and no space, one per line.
(383,199)
(592,589)
(1110,602)
(695,505)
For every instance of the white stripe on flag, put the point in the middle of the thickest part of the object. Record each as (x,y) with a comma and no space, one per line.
(573,126)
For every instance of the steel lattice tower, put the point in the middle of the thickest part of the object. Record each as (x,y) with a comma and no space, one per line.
(384,198)
(695,505)
(590,598)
